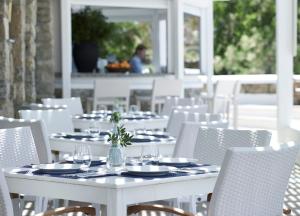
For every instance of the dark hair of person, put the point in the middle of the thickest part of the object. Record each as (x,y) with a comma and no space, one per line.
(139,48)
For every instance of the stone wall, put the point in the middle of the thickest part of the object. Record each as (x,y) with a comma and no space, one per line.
(30,51)
(17,33)
(45,76)
(26,53)
(6,103)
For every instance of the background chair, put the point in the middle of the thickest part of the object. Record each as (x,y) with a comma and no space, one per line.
(161,89)
(178,117)
(253,181)
(56,120)
(39,133)
(73,104)
(172,102)
(225,94)
(193,109)
(212,144)
(110,92)
(186,141)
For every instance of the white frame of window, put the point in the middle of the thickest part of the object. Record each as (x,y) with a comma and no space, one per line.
(175,8)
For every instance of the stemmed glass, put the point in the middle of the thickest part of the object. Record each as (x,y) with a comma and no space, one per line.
(82,155)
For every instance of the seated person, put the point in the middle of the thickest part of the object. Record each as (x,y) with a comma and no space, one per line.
(138,58)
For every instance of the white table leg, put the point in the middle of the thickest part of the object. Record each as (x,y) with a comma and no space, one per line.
(116,205)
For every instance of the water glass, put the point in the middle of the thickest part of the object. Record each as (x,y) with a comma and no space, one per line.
(133,109)
(82,155)
(150,154)
(93,130)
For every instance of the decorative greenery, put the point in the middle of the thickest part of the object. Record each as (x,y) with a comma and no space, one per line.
(90,25)
(244,37)
(120,137)
(115,117)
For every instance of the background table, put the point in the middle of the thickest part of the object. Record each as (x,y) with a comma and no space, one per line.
(100,148)
(159,122)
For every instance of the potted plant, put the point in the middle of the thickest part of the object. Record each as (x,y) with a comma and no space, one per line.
(89,31)
(118,138)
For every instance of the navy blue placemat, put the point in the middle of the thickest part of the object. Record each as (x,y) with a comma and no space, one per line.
(144,140)
(68,176)
(168,175)
(93,163)
(160,136)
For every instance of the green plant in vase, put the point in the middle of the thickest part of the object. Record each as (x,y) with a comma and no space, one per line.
(118,138)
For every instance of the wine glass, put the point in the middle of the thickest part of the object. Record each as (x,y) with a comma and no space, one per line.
(82,155)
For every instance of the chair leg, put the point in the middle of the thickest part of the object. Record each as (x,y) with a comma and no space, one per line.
(45,204)
(38,205)
(97,208)
(192,204)
(16,202)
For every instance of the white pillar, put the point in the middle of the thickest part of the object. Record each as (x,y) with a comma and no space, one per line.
(155,42)
(178,38)
(66,38)
(210,49)
(284,64)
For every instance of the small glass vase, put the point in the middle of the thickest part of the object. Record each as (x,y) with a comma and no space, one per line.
(115,158)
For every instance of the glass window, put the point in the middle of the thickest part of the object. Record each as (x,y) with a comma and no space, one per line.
(119,40)
(192,44)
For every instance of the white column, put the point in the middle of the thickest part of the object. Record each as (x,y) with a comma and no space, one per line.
(284,64)
(210,48)
(178,40)
(66,43)
(155,42)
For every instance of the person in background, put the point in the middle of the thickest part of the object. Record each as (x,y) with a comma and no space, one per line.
(136,62)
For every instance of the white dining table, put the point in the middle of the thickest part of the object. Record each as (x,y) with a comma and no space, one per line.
(159,123)
(116,192)
(100,148)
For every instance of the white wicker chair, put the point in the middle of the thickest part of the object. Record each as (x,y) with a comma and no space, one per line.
(39,133)
(193,109)
(226,93)
(106,92)
(73,104)
(178,117)
(162,88)
(56,120)
(6,208)
(253,181)
(172,102)
(17,149)
(186,140)
(212,144)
